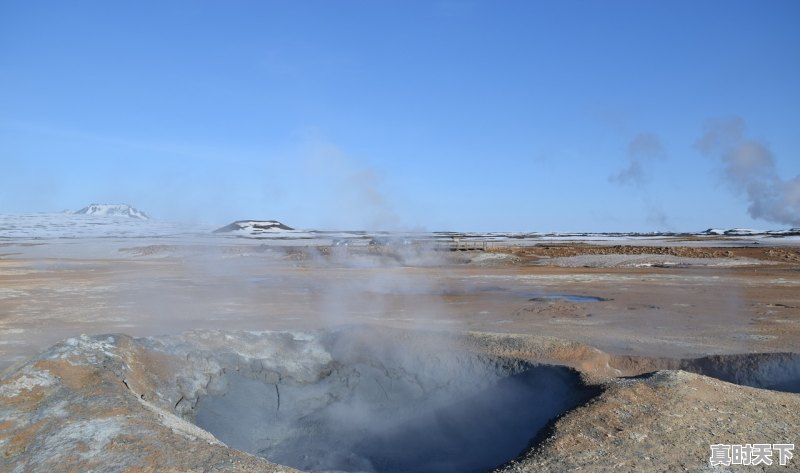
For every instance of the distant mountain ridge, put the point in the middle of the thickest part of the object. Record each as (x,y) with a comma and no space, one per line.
(113,210)
(751,232)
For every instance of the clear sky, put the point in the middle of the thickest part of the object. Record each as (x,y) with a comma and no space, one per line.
(464,115)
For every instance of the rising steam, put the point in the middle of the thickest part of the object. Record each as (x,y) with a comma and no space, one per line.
(749,169)
(644,147)
(352,189)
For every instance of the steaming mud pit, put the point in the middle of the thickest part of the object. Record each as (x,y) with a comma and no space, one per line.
(394,407)
(364,399)
(450,357)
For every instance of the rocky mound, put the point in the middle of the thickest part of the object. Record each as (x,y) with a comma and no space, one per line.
(254,227)
(666,421)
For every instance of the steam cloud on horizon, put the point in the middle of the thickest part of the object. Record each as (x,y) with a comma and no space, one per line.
(749,169)
(352,191)
(644,147)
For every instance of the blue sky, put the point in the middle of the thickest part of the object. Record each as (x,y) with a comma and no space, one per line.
(462,115)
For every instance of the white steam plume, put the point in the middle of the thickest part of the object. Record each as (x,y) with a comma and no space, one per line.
(353,189)
(749,169)
(642,148)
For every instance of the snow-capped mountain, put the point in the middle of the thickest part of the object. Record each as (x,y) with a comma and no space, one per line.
(254,227)
(113,210)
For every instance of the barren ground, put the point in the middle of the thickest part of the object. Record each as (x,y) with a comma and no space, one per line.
(607,311)
(666,310)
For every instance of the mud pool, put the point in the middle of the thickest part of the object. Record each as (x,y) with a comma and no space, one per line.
(390,410)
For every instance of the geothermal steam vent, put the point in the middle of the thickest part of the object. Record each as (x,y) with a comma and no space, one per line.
(365,400)
(359,402)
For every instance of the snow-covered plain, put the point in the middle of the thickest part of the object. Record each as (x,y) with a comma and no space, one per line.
(66,227)
(40,226)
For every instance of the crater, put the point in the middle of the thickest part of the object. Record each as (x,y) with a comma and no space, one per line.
(374,399)
(775,371)
(385,407)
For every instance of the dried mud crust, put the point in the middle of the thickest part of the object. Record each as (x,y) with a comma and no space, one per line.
(514,255)
(87,404)
(781,254)
(665,421)
(149,250)
(654,311)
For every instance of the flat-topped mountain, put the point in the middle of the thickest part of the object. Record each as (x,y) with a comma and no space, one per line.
(254,226)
